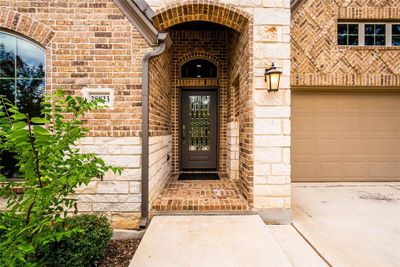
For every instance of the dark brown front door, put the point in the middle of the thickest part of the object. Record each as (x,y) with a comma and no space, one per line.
(199,129)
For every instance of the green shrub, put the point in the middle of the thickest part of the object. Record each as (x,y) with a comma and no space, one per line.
(81,249)
(50,167)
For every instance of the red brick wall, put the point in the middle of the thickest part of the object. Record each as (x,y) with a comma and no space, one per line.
(240,105)
(88,44)
(160,95)
(207,44)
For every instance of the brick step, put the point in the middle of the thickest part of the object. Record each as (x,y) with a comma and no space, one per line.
(200,196)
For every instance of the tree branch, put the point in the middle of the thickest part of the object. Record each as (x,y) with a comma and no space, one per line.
(34,151)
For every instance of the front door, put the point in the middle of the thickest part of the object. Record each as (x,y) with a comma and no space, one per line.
(199,129)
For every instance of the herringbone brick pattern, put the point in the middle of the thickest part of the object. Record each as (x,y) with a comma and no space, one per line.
(317,60)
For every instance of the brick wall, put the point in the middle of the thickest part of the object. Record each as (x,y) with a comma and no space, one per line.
(241,109)
(91,44)
(319,61)
(207,44)
(160,150)
(160,95)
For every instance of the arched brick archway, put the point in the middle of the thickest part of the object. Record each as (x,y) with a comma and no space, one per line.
(230,47)
(198,54)
(204,10)
(26,26)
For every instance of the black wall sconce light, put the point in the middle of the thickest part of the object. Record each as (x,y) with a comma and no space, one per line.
(272,78)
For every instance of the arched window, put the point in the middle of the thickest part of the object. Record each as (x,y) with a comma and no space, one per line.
(22,81)
(199,68)
(22,72)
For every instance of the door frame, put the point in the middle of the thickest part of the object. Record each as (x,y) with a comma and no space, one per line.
(180,148)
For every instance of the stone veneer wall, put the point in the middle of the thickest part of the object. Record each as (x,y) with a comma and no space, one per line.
(160,164)
(117,196)
(319,61)
(272,111)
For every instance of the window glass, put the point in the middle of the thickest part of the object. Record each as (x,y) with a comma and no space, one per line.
(347,34)
(199,68)
(375,34)
(396,34)
(22,81)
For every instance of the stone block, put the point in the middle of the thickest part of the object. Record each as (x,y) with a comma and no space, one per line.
(272,112)
(263,169)
(134,187)
(272,190)
(124,161)
(272,141)
(115,187)
(267,126)
(129,175)
(272,16)
(281,169)
(267,154)
(125,220)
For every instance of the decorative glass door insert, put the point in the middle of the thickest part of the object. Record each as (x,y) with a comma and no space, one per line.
(199,128)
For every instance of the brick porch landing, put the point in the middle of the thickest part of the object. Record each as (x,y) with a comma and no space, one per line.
(206,195)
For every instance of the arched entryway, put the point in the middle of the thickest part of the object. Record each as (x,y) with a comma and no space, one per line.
(207,114)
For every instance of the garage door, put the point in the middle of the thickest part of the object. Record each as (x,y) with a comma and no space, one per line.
(345,137)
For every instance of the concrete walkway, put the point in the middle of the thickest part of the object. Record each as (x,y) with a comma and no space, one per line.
(356,224)
(230,241)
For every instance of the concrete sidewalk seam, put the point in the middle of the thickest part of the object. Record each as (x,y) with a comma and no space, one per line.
(312,246)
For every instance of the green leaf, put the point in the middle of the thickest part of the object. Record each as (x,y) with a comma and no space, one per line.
(18,116)
(19,125)
(39,130)
(39,120)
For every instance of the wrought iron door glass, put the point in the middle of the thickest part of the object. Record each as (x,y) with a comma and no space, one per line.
(199,129)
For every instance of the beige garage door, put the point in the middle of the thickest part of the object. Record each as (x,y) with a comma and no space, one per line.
(345,136)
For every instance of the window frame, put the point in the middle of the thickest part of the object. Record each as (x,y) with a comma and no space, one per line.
(15,78)
(361,33)
(202,78)
(348,23)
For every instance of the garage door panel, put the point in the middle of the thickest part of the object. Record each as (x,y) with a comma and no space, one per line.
(304,124)
(354,170)
(381,169)
(330,146)
(329,169)
(305,169)
(353,147)
(329,125)
(384,146)
(346,137)
(305,146)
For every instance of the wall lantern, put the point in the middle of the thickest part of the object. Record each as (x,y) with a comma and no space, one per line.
(272,78)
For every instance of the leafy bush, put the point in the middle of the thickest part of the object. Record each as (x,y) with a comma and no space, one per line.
(51,168)
(82,248)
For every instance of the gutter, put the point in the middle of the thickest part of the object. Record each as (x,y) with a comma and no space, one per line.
(163,43)
(139,13)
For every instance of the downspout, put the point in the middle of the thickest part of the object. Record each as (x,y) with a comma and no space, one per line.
(162,45)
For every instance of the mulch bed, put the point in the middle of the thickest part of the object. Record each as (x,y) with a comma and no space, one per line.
(119,253)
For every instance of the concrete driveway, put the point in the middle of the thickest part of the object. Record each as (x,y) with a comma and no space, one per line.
(355,224)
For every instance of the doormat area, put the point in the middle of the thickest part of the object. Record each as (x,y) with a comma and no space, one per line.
(198,176)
